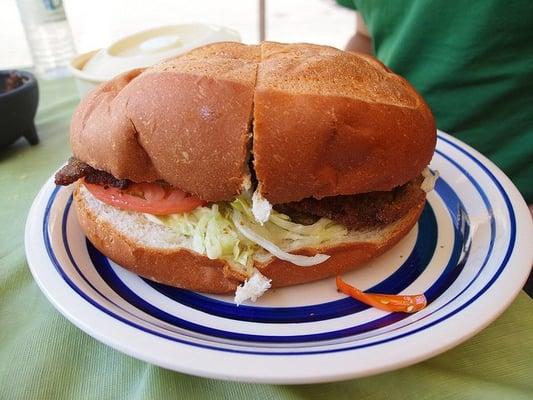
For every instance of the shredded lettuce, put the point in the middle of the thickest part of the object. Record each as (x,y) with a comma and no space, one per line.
(210,232)
(249,232)
(286,234)
(230,231)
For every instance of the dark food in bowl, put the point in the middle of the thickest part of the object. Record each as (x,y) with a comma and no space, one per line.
(11,82)
(19,97)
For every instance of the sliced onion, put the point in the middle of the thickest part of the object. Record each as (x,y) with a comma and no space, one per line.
(248,233)
(429,180)
(255,286)
(261,208)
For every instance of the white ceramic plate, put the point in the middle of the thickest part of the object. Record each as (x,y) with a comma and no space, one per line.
(470,254)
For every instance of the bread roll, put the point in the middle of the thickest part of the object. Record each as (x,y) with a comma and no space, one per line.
(328,122)
(324,122)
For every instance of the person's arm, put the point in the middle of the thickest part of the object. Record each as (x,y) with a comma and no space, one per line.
(361,41)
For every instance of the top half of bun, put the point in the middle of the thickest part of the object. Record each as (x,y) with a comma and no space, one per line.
(317,122)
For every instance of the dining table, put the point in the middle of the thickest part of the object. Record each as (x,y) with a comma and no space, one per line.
(44,356)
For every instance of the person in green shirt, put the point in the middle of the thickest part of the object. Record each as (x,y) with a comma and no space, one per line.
(473,63)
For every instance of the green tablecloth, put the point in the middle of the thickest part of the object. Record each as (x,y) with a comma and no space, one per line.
(43,356)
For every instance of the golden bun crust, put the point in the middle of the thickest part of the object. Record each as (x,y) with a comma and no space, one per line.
(185,121)
(326,122)
(186,269)
(103,136)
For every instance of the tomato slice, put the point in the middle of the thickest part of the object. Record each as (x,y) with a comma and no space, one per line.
(148,198)
(385,302)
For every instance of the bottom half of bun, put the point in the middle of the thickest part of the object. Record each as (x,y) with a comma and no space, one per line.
(154,252)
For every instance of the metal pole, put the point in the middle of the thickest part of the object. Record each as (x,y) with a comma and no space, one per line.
(262,20)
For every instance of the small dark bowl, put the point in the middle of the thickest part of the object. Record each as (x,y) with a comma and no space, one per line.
(19,96)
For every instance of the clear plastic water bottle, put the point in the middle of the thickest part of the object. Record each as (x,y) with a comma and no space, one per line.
(49,36)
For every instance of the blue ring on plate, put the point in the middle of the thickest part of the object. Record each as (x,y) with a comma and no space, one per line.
(512,239)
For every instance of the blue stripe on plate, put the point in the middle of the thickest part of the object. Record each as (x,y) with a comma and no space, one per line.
(131,297)
(461,248)
(76,267)
(509,250)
